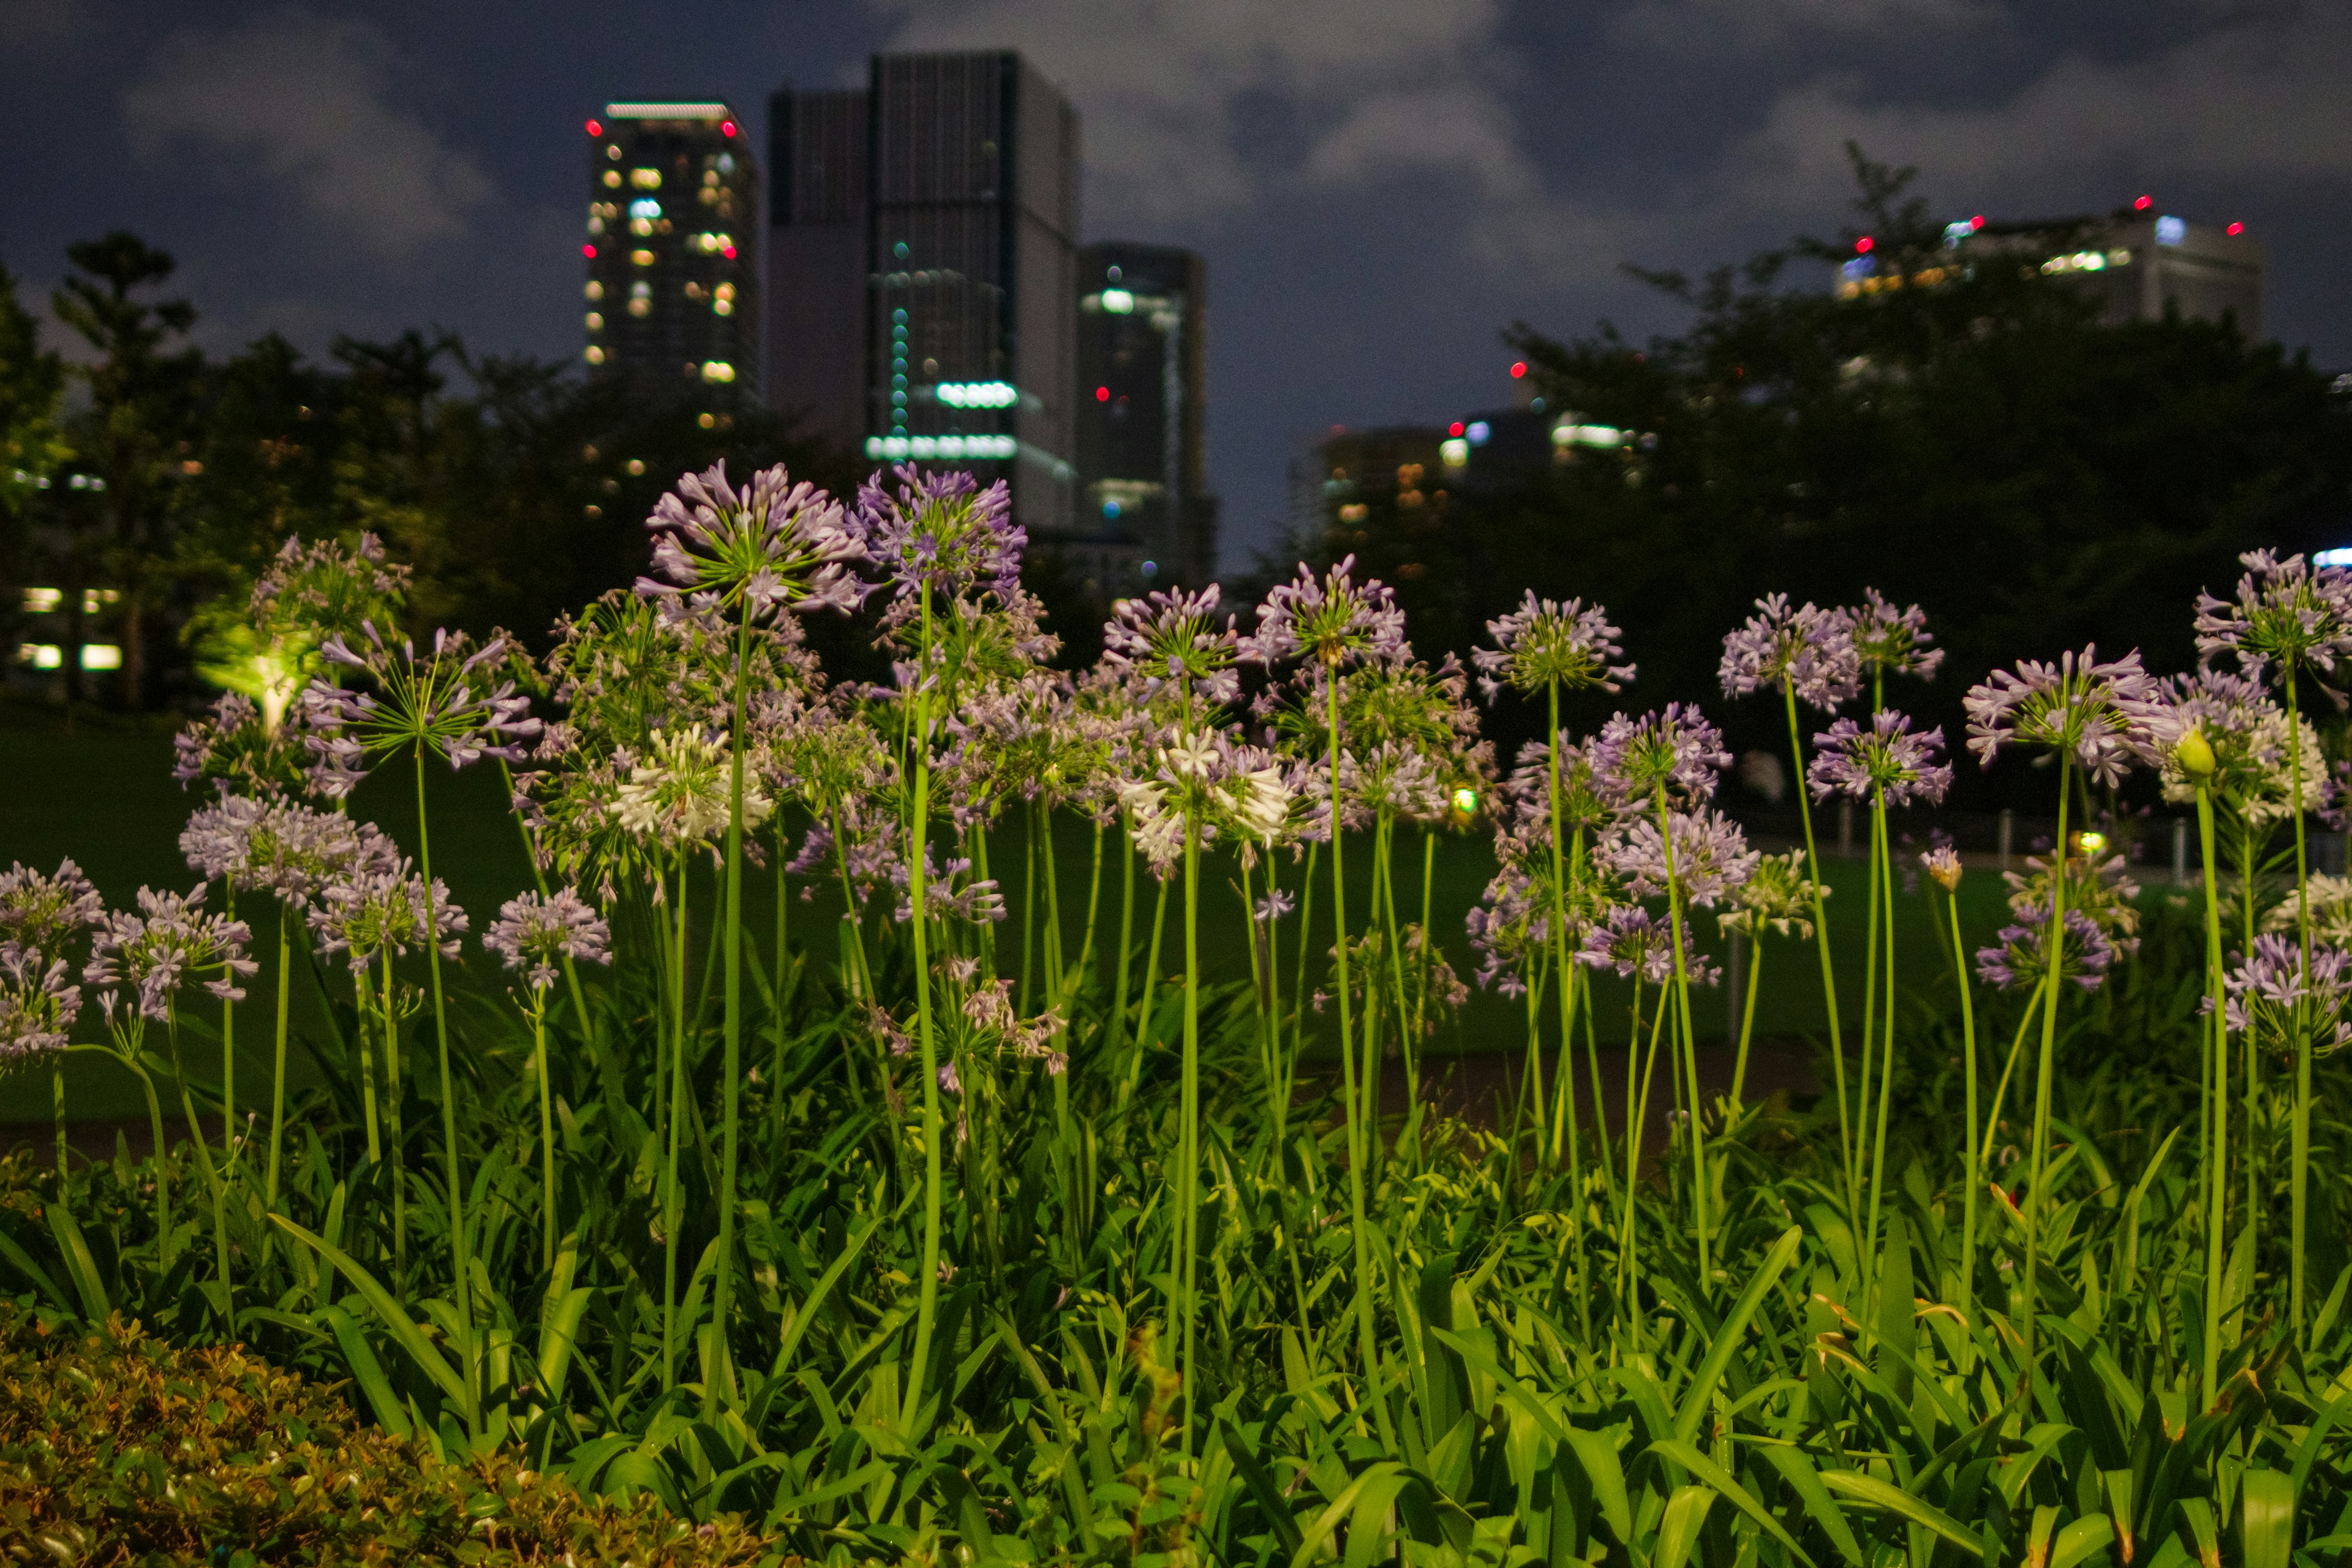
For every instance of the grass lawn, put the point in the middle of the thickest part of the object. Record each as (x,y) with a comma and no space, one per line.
(106,797)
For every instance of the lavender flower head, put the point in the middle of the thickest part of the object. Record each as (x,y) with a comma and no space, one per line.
(2099,713)
(1888,641)
(1171,640)
(2283,614)
(236,747)
(1328,621)
(536,932)
(1942,864)
(442,703)
(2021,956)
(37,1007)
(1808,652)
(326,588)
(1545,644)
(154,952)
(380,911)
(2272,988)
(1631,942)
(1886,759)
(941,531)
(42,912)
(279,846)
(2250,764)
(1777,894)
(772,545)
(1675,750)
(1711,859)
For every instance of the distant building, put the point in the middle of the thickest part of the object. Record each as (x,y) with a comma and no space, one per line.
(1142,419)
(673,307)
(1335,482)
(922,280)
(2138,264)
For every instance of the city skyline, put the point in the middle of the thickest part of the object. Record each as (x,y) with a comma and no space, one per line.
(1380,198)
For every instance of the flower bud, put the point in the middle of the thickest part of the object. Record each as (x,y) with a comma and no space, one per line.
(1944,865)
(2194,752)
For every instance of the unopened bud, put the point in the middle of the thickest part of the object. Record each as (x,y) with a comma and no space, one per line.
(1943,863)
(2195,754)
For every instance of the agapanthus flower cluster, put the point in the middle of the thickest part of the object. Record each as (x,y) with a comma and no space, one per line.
(2284,613)
(2272,991)
(38,1004)
(772,545)
(1709,862)
(994,1025)
(1888,641)
(326,588)
(1171,644)
(1588,803)
(2253,768)
(940,531)
(537,931)
(235,749)
(679,793)
(1777,894)
(1674,750)
(381,912)
(1807,650)
(1224,788)
(169,940)
(1886,760)
(1635,944)
(1545,644)
(1328,621)
(2099,886)
(2329,899)
(280,847)
(443,702)
(952,892)
(45,912)
(2100,713)
(2022,954)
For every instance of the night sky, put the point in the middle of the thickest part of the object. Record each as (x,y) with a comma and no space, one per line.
(1379,186)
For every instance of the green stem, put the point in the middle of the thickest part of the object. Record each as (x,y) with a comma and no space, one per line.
(395,1107)
(1822,932)
(2043,1087)
(2299,1157)
(674,1129)
(721,1389)
(203,1151)
(1367,1341)
(546,1133)
(1975,1170)
(1126,961)
(1884,892)
(918,832)
(2216,1103)
(468,1349)
(278,1068)
(1747,1018)
(1189,1175)
(1690,1041)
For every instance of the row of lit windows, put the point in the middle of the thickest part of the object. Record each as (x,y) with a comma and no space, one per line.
(49,656)
(981,447)
(47,601)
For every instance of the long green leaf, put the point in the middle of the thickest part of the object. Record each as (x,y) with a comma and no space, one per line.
(2266,1519)
(366,1371)
(1806,1482)
(1872,1493)
(80,1266)
(1689,1457)
(403,1329)
(1730,1333)
(23,1263)
(1678,1529)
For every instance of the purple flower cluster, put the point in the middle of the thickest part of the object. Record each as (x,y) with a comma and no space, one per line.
(2284,613)
(1887,758)
(154,952)
(1808,650)
(1328,621)
(2101,713)
(39,916)
(2273,979)
(536,932)
(1631,942)
(380,911)
(1675,750)
(941,531)
(1172,641)
(1544,644)
(1711,859)
(2022,959)
(279,846)
(232,746)
(442,702)
(772,545)
(1888,641)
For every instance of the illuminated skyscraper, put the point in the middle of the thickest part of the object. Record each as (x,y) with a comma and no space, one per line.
(1142,418)
(922,276)
(673,274)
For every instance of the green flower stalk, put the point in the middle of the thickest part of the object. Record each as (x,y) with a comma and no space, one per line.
(533,934)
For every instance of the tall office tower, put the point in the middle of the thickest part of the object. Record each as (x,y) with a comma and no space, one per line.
(1143,418)
(673,268)
(922,281)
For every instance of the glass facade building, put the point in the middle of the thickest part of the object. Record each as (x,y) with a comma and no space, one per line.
(921,275)
(672,253)
(1145,513)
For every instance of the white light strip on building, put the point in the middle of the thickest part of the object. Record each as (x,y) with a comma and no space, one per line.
(667,111)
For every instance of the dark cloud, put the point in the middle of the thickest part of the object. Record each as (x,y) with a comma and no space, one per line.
(1380,184)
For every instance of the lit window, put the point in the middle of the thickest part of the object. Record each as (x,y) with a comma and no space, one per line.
(1354,511)
(641,258)
(1117,302)
(595,291)
(646,179)
(726,163)
(595,320)
(978,394)
(613,177)
(613,151)
(705,420)
(727,291)
(641,307)
(41,656)
(717,370)
(641,289)
(595,226)
(595,354)
(2171,230)
(100,655)
(641,226)
(723,308)
(1478,432)
(636,466)
(41,601)
(644,206)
